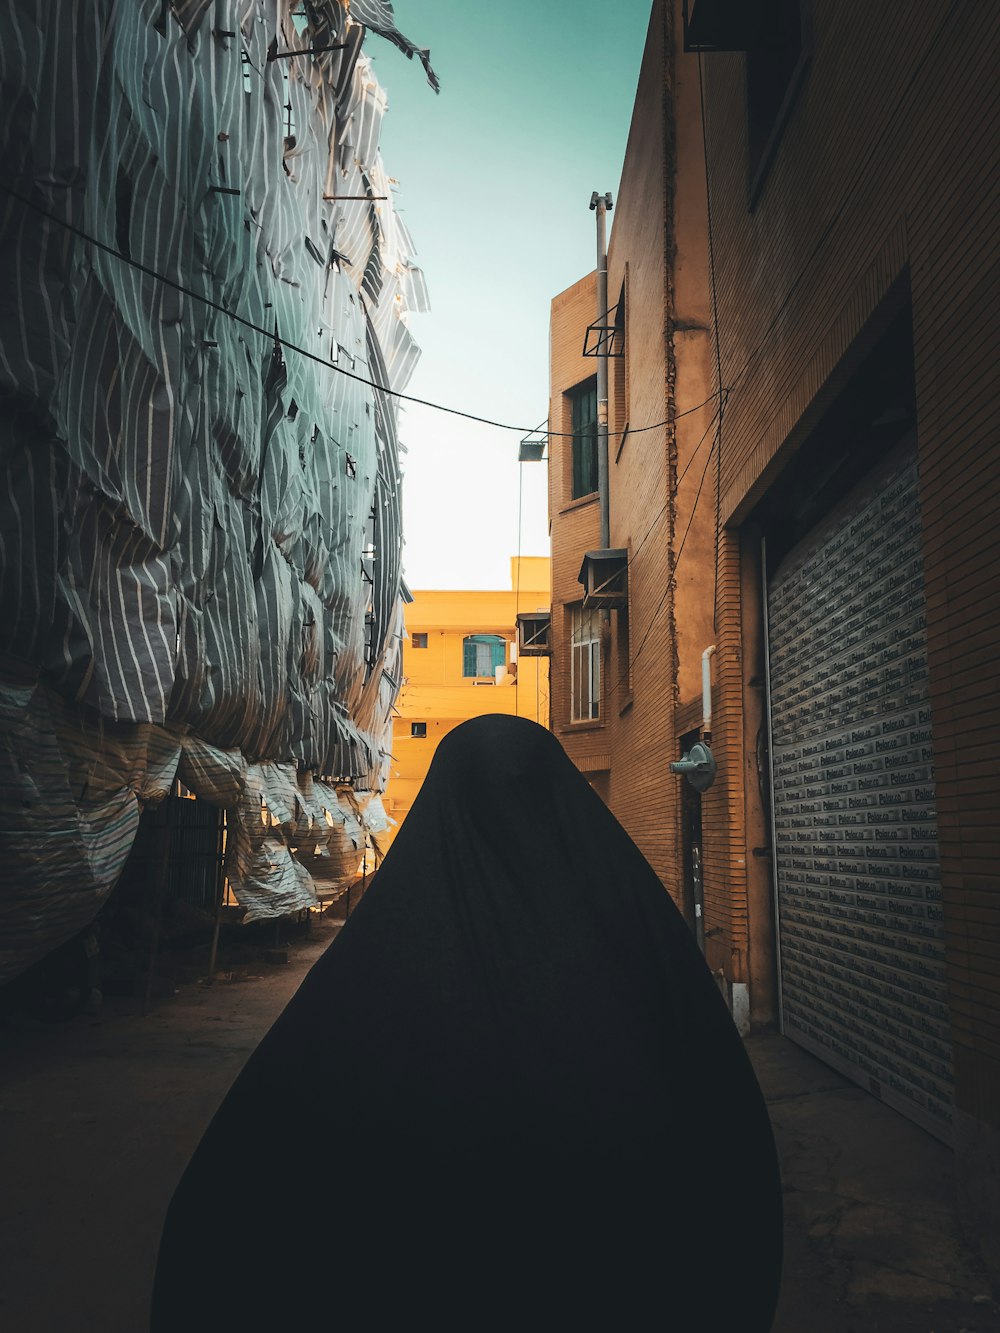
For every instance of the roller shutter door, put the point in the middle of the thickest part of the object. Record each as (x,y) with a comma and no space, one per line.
(856,858)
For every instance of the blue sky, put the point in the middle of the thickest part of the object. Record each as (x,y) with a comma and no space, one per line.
(495,176)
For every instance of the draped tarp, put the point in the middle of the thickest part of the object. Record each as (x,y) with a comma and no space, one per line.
(186,500)
(378,15)
(71,789)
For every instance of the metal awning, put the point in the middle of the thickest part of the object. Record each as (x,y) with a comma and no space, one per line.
(604,575)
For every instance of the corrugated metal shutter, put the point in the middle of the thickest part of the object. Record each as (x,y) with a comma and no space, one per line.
(858,884)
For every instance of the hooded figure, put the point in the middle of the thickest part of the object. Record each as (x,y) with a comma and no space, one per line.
(508,1096)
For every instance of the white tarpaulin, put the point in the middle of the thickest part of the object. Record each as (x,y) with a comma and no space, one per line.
(188,505)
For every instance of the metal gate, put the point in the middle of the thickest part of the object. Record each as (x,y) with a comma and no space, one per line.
(861,946)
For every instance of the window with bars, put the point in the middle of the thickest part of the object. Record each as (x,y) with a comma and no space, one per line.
(482,654)
(585,664)
(583,416)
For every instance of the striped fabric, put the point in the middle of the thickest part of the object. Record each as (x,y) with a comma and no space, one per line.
(184,502)
(378,15)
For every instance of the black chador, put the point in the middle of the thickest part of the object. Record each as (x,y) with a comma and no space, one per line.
(508,1096)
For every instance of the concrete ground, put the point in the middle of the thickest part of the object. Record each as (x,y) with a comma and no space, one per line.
(872,1240)
(99,1116)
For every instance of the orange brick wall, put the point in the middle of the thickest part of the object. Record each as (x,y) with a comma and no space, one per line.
(886,167)
(658,253)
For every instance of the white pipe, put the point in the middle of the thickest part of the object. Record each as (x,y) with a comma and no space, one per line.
(706,690)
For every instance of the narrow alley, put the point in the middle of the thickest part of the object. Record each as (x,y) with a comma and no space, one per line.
(658,732)
(99,1116)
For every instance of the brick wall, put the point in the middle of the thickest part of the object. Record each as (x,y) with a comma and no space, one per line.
(885,175)
(658,255)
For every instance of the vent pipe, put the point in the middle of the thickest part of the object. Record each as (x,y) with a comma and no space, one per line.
(602,204)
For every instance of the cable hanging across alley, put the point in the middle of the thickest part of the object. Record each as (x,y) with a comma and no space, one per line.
(723,393)
(273,335)
(891,121)
(677,558)
(673,573)
(666,504)
(719,394)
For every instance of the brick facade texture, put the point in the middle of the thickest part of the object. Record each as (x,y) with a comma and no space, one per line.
(662,426)
(885,172)
(881,191)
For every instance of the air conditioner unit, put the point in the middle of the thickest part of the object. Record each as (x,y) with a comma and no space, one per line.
(604,575)
(534,633)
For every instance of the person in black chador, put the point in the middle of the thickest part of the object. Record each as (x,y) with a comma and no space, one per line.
(508,1096)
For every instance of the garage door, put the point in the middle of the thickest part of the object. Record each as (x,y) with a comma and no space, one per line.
(856,858)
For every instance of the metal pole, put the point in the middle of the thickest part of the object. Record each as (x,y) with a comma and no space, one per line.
(601,203)
(164,824)
(220,880)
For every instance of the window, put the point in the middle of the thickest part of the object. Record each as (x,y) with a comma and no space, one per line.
(482,654)
(418,729)
(418,640)
(585,664)
(774,63)
(583,413)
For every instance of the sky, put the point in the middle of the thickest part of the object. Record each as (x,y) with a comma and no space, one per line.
(495,176)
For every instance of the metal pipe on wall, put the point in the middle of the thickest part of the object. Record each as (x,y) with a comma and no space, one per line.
(601,204)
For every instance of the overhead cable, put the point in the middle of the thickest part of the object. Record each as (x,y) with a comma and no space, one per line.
(302,351)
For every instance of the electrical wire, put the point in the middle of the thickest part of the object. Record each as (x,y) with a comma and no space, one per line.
(720,393)
(666,504)
(890,122)
(718,352)
(517,587)
(273,335)
(671,580)
(677,559)
(723,392)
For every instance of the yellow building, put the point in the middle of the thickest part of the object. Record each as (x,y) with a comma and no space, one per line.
(460,660)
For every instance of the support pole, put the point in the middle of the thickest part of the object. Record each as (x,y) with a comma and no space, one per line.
(220,897)
(164,825)
(602,204)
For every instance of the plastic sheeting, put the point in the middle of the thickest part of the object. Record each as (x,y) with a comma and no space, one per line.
(71,790)
(199,526)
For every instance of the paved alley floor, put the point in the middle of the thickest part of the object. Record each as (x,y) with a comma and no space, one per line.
(99,1116)
(872,1240)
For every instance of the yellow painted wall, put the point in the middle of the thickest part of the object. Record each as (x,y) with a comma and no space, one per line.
(434,689)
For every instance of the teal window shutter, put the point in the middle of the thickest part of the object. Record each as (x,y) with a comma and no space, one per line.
(482,654)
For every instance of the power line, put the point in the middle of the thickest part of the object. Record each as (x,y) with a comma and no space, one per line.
(890,122)
(723,392)
(272,334)
(680,551)
(718,352)
(671,579)
(663,508)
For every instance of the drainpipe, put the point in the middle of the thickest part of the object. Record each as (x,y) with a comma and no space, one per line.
(601,204)
(706,692)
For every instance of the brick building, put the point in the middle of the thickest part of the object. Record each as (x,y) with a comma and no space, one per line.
(625,682)
(846,319)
